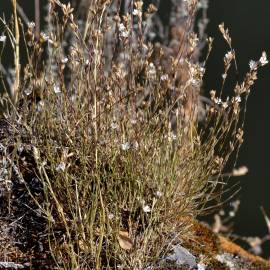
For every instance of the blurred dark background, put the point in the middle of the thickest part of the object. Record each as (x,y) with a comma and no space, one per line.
(249,25)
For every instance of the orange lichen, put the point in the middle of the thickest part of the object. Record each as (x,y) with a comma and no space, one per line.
(210,244)
(228,246)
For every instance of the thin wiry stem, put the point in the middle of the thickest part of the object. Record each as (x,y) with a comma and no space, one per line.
(14,90)
(37,17)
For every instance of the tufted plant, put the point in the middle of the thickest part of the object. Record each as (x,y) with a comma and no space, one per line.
(107,110)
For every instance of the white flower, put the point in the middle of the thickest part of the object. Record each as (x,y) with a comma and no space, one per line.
(146,209)
(195,82)
(61,167)
(40,105)
(224,76)
(124,34)
(151,70)
(137,12)
(229,56)
(123,31)
(122,27)
(110,216)
(31,25)
(114,125)
(240,171)
(64,60)
(44,36)
(3,38)
(218,101)
(56,89)
(28,91)
(133,121)
(253,65)
(225,104)
(263,60)
(201,266)
(238,99)
(159,194)
(125,146)
(174,137)
(164,77)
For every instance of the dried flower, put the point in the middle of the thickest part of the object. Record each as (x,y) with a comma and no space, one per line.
(152,9)
(213,94)
(225,33)
(124,240)
(196,72)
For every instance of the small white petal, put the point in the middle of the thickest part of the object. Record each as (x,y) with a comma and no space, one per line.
(218,101)
(3,38)
(137,12)
(44,36)
(61,167)
(263,60)
(110,216)
(125,146)
(159,194)
(146,209)
(240,171)
(201,266)
(40,105)
(28,91)
(238,99)
(64,60)
(164,77)
(31,25)
(114,125)
(253,65)
(57,89)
